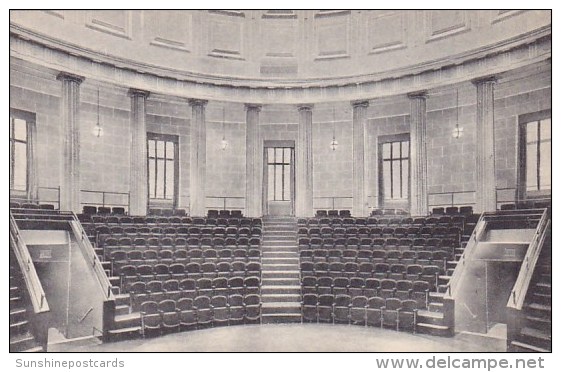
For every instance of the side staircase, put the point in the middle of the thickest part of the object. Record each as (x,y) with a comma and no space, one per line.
(280,276)
(21,338)
(431,321)
(535,334)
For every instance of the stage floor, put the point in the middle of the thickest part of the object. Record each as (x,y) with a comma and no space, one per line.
(296,338)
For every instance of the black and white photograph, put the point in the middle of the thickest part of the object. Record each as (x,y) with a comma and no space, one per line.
(280,180)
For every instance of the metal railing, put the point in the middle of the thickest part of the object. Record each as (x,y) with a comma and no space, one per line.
(469,250)
(522,283)
(333,199)
(91,257)
(224,201)
(452,202)
(104,197)
(34,287)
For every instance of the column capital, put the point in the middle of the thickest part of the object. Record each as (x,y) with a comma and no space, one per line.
(356,104)
(66,76)
(197,102)
(421,94)
(133,92)
(490,79)
(253,107)
(305,107)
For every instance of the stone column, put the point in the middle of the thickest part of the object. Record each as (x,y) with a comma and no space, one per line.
(70,116)
(486,198)
(197,192)
(252,187)
(304,164)
(360,208)
(139,154)
(418,154)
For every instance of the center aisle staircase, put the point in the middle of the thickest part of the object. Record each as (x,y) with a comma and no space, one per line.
(280,289)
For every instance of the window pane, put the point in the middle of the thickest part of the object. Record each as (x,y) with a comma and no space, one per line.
(170,150)
(270,155)
(387,177)
(20,166)
(160,179)
(287,155)
(169,179)
(545,165)
(152,177)
(271,181)
(395,149)
(532,132)
(151,148)
(531,165)
(287,183)
(386,150)
(278,155)
(20,129)
(545,129)
(160,149)
(405,179)
(278,182)
(396,180)
(405,149)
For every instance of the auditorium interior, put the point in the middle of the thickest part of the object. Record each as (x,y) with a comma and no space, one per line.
(280,180)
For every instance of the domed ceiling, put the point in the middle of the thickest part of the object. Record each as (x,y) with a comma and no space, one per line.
(281,47)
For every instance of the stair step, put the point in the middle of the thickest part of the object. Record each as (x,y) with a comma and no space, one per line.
(19,327)
(281,274)
(122,299)
(21,342)
(280,260)
(280,297)
(127,333)
(280,289)
(279,267)
(434,329)
(280,308)
(281,318)
(122,309)
(36,349)
(127,320)
(17,315)
(522,346)
(265,282)
(535,337)
(430,317)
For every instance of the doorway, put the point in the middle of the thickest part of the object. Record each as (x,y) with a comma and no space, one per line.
(278,180)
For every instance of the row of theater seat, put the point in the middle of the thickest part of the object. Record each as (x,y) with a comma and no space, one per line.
(349,259)
(428,273)
(170,237)
(165,240)
(403,289)
(26,205)
(443,221)
(162,271)
(465,210)
(377,232)
(375,311)
(159,290)
(177,222)
(182,256)
(389,243)
(185,314)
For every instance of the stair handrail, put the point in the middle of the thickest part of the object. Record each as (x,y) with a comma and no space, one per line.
(479,229)
(30,277)
(91,257)
(520,288)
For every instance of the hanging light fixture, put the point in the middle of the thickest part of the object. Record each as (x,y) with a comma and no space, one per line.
(334,144)
(458,131)
(98,130)
(223,143)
